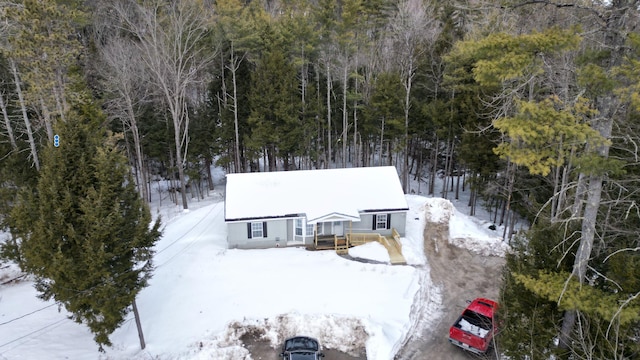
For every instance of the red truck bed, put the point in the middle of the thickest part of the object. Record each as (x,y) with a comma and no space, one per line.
(474,329)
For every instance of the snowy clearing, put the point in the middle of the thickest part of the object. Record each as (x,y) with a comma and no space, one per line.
(204,297)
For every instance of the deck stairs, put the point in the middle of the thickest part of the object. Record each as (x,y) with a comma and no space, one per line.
(342,249)
(394,248)
(341,244)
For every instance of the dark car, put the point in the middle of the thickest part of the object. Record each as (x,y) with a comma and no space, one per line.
(301,348)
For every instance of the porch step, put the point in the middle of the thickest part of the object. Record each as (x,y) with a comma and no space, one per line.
(342,250)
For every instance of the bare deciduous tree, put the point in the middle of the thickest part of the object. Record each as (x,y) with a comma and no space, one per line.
(7,123)
(25,116)
(411,32)
(123,74)
(171,39)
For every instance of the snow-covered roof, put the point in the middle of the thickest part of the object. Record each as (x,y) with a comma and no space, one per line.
(317,194)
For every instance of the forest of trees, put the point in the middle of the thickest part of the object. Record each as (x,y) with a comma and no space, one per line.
(535,104)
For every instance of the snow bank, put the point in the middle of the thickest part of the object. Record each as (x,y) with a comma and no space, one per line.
(439,210)
(465,231)
(474,234)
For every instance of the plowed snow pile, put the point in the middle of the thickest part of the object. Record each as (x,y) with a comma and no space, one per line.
(465,231)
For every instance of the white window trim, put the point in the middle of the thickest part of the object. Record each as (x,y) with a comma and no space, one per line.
(257,230)
(297,226)
(381,224)
(303,229)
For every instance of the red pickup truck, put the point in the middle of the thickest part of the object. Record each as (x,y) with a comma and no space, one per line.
(474,329)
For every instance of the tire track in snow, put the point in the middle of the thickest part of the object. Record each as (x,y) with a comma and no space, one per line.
(218,208)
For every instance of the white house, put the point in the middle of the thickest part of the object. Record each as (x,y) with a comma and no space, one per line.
(285,208)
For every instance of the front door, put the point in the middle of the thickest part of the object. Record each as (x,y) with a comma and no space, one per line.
(338,229)
(331,228)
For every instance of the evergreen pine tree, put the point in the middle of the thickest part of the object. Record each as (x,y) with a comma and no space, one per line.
(85,233)
(276,126)
(529,321)
(384,115)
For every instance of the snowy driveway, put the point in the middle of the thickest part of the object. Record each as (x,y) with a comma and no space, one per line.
(458,274)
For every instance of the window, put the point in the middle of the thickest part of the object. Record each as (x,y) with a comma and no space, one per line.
(381,221)
(298,227)
(308,228)
(257,230)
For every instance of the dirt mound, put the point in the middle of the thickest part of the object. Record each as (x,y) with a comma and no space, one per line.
(460,275)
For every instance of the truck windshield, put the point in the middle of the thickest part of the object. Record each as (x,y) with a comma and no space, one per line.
(301,343)
(303,356)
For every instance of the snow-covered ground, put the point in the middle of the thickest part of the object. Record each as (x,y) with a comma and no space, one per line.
(203,296)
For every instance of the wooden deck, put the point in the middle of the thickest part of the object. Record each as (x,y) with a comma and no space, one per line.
(331,242)
(394,247)
(342,244)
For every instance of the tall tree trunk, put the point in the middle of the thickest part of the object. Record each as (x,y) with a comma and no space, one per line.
(614,36)
(271,156)
(447,170)
(434,165)
(7,123)
(58,91)
(208,162)
(47,119)
(556,193)
(564,185)
(144,170)
(381,142)
(329,152)
(25,117)
(235,63)
(472,195)
(407,104)
(581,190)
(345,118)
(511,177)
(303,107)
(133,126)
(457,177)
(172,178)
(179,136)
(357,149)
(588,230)
(318,117)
